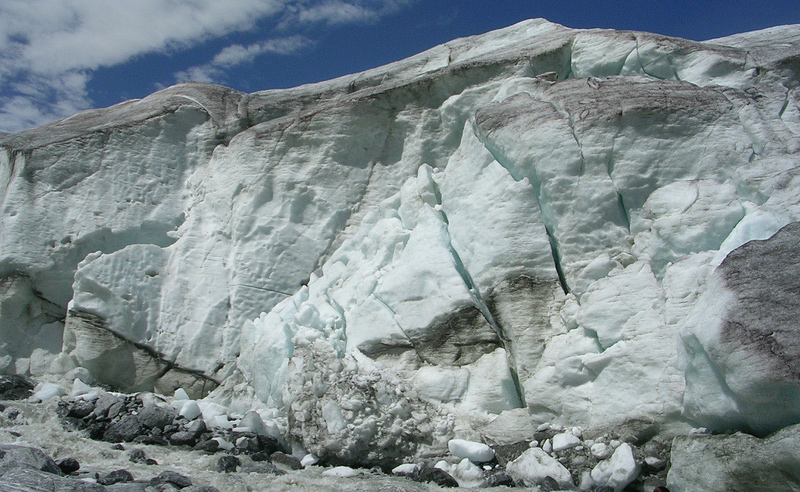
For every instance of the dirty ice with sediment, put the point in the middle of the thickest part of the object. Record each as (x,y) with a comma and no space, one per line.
(580,240)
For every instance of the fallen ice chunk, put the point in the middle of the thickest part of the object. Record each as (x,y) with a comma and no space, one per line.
(223,444)
(404,469)
(565,440)
(181,394)
(468,475)
(617,471)
(600,450)
(47,391)
(443,465)
(190,410)
(341,472)
(211,410)
(534,465)
(222,422)
(252,420)
(309,460)
(474,451)
(80,388)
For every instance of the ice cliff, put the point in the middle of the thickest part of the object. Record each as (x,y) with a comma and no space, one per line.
(587,227)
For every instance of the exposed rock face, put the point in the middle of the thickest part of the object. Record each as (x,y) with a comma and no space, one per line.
(515,224)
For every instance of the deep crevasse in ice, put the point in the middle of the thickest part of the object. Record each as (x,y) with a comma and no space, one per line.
(506,230)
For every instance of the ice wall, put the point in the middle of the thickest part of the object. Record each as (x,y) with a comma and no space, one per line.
(506,230)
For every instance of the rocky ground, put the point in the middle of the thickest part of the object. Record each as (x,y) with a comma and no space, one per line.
(93,439)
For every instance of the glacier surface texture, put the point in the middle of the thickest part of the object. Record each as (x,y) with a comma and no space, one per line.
(589,228)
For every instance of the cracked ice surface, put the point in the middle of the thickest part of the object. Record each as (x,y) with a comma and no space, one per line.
(526,226)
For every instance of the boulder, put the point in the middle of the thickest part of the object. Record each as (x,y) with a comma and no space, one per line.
(15,387)
(736,463)
(126,429)
(535,465)
(22,456)
(17,479)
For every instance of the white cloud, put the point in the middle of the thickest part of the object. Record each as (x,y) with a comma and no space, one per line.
(231,56)
(53,46)
(336,12)
(33,100)
(52,36)
(237,54)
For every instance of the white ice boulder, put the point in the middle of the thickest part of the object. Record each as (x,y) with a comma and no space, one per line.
(617,471)
(565,440)
(80,388)
(211,410)
(534,465)
(190,410)
(252,420)
(224,444)
(476,452)
(341,472)
(468,474)
(181,394)
(309,460)
(600,450)
(404,469)
(47,391)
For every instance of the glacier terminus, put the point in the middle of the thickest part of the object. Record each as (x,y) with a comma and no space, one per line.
(586,241)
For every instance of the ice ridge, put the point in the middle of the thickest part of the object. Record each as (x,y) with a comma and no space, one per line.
(535,225)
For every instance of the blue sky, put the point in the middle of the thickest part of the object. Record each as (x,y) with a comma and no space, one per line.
(58,57)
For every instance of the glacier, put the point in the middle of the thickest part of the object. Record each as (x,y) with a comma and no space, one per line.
(538,225)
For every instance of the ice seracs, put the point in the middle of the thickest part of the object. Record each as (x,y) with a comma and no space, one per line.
(536,225)
(475,452)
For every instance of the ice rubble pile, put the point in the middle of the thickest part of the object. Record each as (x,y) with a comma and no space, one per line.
(534,225)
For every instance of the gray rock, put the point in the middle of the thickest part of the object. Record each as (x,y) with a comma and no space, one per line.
(435,475)
(208,446)
(228,464)
(68,465)
(736,463)
(115,409)
(196,428)
(15,387)
(155,417)
(25,479)
(125,429)
(80,409)
(182,438)
(104,404)
(174,478)
(500,479)
(130,487)
(116,476)
(137,455)
(247,444)
(549,484)
(201,488)
(285,461)
(22,456)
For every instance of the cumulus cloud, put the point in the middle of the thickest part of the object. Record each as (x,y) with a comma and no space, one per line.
(50,48)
